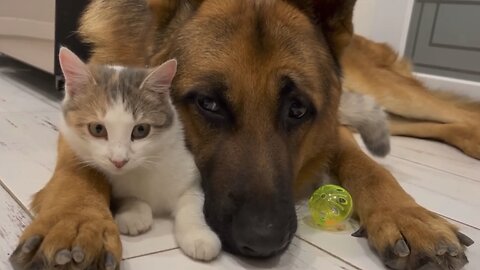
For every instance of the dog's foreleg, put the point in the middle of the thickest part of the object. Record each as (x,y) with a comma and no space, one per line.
(73,226)
(405,235)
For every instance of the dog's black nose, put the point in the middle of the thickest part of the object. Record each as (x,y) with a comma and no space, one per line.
(261,241)
(262,234)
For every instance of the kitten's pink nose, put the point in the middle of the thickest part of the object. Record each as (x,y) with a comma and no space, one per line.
(119,163)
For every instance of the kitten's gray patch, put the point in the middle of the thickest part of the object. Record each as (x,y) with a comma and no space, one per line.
(368,118)
(113,85)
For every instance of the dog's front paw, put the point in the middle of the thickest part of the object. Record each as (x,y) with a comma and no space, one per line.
(411,238)
(135,220)
(199,244)
(79,241)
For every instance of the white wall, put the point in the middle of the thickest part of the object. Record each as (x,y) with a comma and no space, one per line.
(363,17)
(384,21)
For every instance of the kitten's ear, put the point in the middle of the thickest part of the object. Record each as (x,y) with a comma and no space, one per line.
(75,71)
(160,79)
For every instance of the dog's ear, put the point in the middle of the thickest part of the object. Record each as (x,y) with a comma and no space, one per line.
(334,17)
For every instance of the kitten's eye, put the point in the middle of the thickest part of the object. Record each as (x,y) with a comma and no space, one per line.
(140,131)
(208,104)
(97,130)
(297,109)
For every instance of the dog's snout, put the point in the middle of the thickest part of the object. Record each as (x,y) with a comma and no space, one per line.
(262,234)
(260,240)
(248,198)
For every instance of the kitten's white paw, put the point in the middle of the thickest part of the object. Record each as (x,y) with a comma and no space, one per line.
(199,244)
(134,222)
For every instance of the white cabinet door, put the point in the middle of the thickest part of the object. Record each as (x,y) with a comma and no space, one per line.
(27,31)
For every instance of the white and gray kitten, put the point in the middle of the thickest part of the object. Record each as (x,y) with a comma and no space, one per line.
(121,121)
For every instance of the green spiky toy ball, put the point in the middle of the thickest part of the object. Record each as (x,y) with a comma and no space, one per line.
(330,206)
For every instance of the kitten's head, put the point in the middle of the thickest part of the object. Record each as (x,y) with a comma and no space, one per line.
(117,118)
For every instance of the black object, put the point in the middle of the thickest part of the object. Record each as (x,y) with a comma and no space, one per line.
(67,13)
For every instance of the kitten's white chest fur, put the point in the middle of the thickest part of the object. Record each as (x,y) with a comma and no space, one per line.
(161,184)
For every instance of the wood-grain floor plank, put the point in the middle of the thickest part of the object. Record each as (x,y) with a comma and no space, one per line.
(13,219)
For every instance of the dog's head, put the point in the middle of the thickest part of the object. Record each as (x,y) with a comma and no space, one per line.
(258,87)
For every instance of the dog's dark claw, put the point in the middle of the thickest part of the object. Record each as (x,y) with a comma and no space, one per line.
(430,266)
(110,261)
(391,256)
(465,240)
(32,244)
(78,255)
(63,257)
(396,264)
(401,248)
(452,251)
(441,249)
(361,232)
(461,262)
(38,263)
(24,252)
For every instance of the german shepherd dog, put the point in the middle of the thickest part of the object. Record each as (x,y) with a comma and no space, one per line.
(258,89)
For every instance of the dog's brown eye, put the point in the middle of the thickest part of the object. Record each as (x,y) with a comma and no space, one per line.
(208,104)
(213,109)
(140,131)
(297,110)
(97,130)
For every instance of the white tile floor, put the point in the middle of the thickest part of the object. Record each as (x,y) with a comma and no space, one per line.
(438,176)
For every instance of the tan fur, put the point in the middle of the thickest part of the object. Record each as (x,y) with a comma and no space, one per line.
(77,195)
(73,210)
(374,69)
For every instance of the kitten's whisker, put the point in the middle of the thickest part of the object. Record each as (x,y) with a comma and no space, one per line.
(154,157)
(85,163)
(149,164)
(83,166)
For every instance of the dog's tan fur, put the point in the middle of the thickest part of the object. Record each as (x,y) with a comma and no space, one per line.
(375,69)
(72,210)
(77,197)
